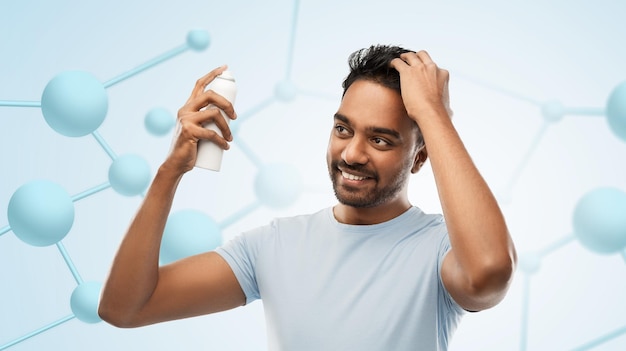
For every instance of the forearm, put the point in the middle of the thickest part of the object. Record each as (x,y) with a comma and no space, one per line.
(478,232)
(135,270)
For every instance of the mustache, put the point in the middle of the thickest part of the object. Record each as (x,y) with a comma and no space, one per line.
(358,168)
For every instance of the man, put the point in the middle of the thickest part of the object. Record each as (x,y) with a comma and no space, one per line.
(371,273)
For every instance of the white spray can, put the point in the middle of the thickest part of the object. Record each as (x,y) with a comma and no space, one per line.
(209,154)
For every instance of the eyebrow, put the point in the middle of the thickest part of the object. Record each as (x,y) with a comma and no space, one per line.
(376,130)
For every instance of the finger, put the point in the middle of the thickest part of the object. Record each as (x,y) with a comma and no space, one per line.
(214,115)
(202,83)
(424,57)
(410,58)
(213,136)
(192,129)
(205,117)
(446,99)
(417,58)
(398,63)
(221,102)
(444,74)
(210,97)
(196,133)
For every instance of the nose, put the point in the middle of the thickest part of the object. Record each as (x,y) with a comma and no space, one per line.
(355,152)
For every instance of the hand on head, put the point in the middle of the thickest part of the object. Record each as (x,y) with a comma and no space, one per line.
(424,85)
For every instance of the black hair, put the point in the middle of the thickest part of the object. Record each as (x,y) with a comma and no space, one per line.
(373,64)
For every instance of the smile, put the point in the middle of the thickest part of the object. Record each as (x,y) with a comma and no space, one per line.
(352,176)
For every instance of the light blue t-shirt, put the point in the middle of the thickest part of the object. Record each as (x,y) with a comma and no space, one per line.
(332,286)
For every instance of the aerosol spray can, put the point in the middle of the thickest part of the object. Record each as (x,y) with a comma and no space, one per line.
(209,154)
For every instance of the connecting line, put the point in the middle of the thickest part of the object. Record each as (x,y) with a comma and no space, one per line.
(104,145)
(37,332)
(525,303)
(518,171)
(557,245)
(248,151)
(69,262)
(500,90)
(239,214)
(601,340)
(20,103)
(585,111)
(5,229)
(91,191)
(292,39)
(155,61)
(256,109)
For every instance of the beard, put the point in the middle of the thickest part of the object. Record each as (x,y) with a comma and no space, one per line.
(359,198)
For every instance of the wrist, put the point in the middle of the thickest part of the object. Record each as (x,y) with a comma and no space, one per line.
(427,114)
(170,171)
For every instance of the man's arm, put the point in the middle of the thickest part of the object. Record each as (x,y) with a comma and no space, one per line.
(138,291)
(479,267)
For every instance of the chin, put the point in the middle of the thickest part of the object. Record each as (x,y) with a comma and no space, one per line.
(354,200)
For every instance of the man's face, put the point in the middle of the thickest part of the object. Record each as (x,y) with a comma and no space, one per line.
(371,150)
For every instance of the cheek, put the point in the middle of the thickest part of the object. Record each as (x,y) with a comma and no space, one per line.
(333,149)
(330,151)
(396,165)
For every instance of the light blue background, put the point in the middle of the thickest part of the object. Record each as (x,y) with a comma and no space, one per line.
(500,54)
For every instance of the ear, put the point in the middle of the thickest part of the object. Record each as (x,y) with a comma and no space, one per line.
(420,158)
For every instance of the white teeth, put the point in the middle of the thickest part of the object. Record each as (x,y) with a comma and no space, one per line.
(351,176)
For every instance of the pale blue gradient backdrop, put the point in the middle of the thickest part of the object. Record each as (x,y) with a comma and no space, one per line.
(505,58)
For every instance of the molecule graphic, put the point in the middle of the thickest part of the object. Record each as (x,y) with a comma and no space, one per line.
(75,103)
(599,218)
(41,212)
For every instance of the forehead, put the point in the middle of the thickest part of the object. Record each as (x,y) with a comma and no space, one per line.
(369,104)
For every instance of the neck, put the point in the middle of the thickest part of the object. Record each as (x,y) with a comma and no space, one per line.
(369,215)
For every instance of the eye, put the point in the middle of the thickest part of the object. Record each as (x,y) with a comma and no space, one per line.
(341,130)
(380,142)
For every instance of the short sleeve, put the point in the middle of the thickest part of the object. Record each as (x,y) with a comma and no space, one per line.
(241,259)
(451,305)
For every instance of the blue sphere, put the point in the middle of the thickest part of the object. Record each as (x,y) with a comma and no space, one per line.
(600,220)
(278,185)
(198,39)
(529,262)
(74,103)
(188,232)
(159,121)
(552,111)
(285,91)
(84,302)
(616,111)
(40,213)
(129,175)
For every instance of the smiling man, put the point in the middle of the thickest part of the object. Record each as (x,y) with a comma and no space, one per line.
(372,272)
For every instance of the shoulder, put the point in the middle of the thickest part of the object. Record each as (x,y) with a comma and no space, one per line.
(287,226)
(301,223)
(425,224)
